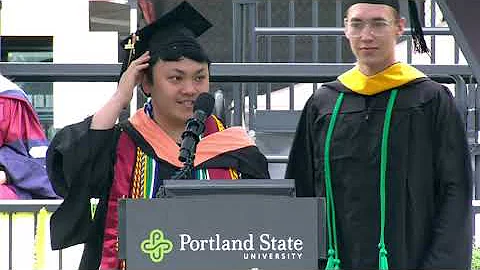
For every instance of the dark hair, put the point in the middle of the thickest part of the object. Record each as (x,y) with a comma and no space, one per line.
(195,53)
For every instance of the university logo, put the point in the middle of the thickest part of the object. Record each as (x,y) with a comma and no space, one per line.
(156,246)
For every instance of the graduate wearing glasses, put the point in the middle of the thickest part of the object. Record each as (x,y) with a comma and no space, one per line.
(386,146)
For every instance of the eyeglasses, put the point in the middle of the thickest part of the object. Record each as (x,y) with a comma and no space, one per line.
(378,28)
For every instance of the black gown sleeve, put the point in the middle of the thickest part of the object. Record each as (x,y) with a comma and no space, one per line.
(301,159)
(80,166)
(252,163)
(451,243)
(249,162)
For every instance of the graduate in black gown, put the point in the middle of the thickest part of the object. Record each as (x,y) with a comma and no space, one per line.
(98,160)
(387,148)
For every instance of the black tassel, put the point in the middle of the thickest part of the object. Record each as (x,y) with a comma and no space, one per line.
(417,31)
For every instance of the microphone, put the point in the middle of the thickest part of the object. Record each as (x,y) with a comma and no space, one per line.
(195,126)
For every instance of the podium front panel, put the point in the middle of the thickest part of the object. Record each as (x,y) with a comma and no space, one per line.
(222,232)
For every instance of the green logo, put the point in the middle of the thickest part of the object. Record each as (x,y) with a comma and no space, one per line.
(156,246)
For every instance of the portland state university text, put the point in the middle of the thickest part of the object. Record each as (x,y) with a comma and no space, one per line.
(265,246)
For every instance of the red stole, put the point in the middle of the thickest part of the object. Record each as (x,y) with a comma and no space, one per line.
(216,141)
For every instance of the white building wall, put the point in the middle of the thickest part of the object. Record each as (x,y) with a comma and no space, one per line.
(73,101)
(68,22)
(44,18)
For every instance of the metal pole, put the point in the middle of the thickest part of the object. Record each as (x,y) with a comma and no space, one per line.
(291,49)
(476,173)
(339,23)
(269,54)
(252,88)
(433,19)
(315,38)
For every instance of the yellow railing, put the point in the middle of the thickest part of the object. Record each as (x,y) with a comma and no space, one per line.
(25,237)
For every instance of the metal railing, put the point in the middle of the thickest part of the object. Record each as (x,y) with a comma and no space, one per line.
(249,25)
(20,245)
(459,75)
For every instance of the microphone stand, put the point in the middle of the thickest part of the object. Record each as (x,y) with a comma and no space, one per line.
(190,138)
(186,171)
(187,150)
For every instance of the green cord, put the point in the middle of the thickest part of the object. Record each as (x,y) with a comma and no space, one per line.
(383,261)
(333,261)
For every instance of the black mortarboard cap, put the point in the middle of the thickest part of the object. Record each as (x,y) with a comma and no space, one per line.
(417,31)
(169,37)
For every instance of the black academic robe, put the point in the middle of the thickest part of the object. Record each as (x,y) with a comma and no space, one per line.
(80,164)
(429,181)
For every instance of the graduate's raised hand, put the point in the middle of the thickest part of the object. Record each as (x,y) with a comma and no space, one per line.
(106,117)
(132,77)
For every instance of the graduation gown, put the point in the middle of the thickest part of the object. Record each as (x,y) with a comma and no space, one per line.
(429,181)
(84,164)
(23,145)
